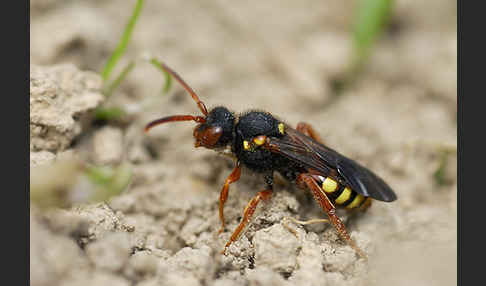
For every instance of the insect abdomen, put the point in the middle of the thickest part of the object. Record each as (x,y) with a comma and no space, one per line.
(341,195)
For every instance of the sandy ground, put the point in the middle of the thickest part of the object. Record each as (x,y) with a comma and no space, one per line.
(280,56)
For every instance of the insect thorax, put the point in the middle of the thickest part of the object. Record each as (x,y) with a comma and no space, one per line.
(250,125)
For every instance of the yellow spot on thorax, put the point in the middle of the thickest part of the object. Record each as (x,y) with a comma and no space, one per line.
(344,196)
(329,185)
(259,140)
(356,202)
(246,145)
(281,128)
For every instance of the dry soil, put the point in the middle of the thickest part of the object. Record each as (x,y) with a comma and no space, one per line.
(398,118)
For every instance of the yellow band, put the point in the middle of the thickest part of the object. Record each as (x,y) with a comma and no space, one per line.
(344,196)
(329,185)
(356,202)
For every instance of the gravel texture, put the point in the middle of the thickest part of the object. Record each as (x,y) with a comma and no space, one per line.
(399,119)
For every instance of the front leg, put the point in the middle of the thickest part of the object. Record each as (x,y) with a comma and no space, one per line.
(223,196)
(250,210)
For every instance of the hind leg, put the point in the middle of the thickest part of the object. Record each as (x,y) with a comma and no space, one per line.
(309,131)
(301,222)
(321,198)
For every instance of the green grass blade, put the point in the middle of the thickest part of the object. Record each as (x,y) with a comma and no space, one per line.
(120,49)
(168,78)
(108,113)
(442,175)
(126,70)
(111,181)
(371,18)
(99,175)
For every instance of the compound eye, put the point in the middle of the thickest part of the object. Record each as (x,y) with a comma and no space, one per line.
(207,137)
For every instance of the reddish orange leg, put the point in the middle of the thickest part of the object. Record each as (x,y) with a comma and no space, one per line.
(309,131)
(233,177)
(307,180)
(247,214)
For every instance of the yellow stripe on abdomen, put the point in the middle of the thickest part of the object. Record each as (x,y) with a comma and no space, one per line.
(356,202)
(329,185)
(344,196)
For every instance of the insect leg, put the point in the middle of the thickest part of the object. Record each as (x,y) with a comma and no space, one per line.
(309,131)
(306,222)
(233,177)
(328,207)
(296,221)
(248,213)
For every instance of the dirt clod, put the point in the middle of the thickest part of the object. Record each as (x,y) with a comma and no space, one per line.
(59,97)
(108,146)
(276,248)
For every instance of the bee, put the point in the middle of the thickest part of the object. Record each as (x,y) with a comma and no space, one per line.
(264,144)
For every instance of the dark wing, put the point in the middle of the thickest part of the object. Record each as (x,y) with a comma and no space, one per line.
(311,154)
(365,181)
